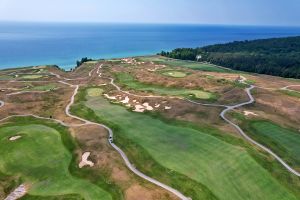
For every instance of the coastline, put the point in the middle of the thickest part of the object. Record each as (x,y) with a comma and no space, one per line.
(30,44)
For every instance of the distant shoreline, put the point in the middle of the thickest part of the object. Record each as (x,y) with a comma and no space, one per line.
(29,44)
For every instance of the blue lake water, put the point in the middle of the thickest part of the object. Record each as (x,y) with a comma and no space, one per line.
(26,44)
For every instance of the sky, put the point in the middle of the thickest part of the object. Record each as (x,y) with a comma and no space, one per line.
(230,12)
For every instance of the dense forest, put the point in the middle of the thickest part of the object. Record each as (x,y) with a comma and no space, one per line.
(277,56)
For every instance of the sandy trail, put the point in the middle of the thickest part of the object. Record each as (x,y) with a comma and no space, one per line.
(287,88)
(24,92)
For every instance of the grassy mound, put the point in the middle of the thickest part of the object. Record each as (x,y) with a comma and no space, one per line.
(41,160)
(227,170)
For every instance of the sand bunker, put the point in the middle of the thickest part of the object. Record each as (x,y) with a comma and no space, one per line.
(110,97)
(84,160)
(168,107)
(142,108)
(147,106)
(126,100)
(15,138)
(247,113)
(139,108)
(17,193)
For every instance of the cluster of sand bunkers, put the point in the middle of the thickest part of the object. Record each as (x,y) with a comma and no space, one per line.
(131,61)
(136,105)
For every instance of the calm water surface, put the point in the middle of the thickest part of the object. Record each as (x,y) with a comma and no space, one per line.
(26,44)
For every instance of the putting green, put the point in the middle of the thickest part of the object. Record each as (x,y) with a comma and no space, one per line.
(130,82)
(284,141)
(228,171)
(31,76)
(94,92)
(43,87)
(40,159)
(175,74)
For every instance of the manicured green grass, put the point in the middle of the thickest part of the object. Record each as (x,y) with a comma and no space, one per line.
(128,81)
(175,74)
(228,171)
(41,160)
(286,142)
(187,64)
(291,93)
(94,92)
(32,76)
(43,87)
(5,77)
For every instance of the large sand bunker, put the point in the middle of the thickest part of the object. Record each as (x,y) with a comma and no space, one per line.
(17,193)
(84,160)
(247,113)
(13,138)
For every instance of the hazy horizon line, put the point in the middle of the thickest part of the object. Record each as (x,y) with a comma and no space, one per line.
(148,23)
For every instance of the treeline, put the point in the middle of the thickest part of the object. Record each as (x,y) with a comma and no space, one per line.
(83,60)
(278,56)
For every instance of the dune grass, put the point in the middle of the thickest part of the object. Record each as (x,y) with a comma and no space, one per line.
(42,161)
(226,170)
(284,141)
(128,81)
